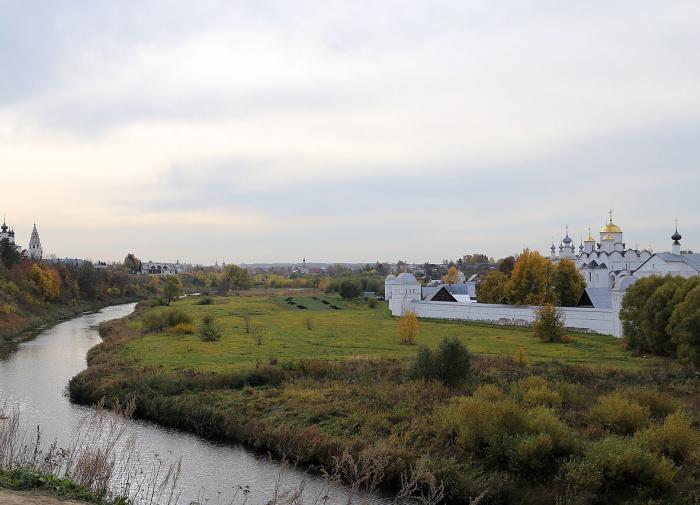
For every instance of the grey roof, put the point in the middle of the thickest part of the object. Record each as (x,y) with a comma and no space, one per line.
(603,265)
(601,298)
(390,277)
(692,260)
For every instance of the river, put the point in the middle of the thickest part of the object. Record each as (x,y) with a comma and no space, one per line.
(35,376)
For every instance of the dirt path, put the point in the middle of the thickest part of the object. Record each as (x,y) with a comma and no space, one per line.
(15,498)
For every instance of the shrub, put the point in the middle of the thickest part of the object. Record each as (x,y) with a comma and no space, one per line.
(183,328)
(153,321)
(372,302)
(450,364)
(489,392)
(409,328)
(660,404)
(619,415)
(542,396)
(675,439)
(549,324)
(617,464)
(521,357)
(173,317)
(205,301)
(209,331)
(350,288)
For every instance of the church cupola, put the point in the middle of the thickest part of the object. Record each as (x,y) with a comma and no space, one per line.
(676,237)
(589,243)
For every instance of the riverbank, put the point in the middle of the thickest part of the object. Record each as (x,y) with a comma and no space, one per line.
(27,487)
(16,328)
(321,383)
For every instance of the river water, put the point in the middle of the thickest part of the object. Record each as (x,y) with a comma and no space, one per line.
(34,377)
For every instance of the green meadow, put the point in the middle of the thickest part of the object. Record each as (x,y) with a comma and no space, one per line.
(353,331)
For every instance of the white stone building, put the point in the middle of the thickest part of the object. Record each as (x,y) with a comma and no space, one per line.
(161,268)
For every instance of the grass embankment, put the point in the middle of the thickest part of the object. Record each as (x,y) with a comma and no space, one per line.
(583,422)
(32,483)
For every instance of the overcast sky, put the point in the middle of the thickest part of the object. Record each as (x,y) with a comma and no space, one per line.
(346,130)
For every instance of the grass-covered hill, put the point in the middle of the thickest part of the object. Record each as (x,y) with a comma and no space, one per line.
(311,376)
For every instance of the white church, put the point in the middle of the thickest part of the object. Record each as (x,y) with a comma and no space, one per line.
(34,251)
(608,266)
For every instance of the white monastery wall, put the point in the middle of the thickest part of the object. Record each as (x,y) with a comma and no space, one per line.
(587,319)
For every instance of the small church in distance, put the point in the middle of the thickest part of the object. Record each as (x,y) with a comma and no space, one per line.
(34,251)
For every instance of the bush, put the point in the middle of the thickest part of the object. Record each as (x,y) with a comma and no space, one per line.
(183,328)
(489,392)
(549,324)
(173,317)
(205,301)
(350,288)
(660,404)
(209,331)
(619,415)
(675,439)
(450,364)
(372,302)
(620,465)
(160,320)
(409,328)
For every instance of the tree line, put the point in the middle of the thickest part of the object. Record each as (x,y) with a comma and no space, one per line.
(661,315)
(532,280)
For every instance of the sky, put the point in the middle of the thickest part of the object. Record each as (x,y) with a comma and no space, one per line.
(272,131)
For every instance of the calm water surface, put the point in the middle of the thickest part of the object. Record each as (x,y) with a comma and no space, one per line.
(35,378)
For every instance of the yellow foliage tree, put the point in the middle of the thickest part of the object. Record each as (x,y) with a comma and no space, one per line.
(408,328)
(451,277)
(494,288)
(47,280)
(530,282)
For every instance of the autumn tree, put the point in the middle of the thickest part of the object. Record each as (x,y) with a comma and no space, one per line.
(506,264)
(530,282)
(47,282)
(132,264)
(452,276)
(494,288)
(172,288)
(684,327)
(235,278)
(568,283)
(409,328)
(88,281)
(549,324)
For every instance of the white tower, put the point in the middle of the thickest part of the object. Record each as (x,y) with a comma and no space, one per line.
(35,252)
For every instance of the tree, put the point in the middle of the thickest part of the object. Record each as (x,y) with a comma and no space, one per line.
(132,264)
(494,288)
(172,288)
(452,276)
(656,314)
(549,324)
(235,278)
(87,281)
(450,364)
(475,259)
(47,281)
(9,254)
(568,283)
(530,282)
(409,328)
(350,288)
(684,327)
(506,264)
(632,309)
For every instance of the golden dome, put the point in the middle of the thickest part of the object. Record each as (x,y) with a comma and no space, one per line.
(609,237)
(589,238)
(610,228)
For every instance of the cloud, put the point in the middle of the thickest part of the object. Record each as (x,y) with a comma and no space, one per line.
(346,130)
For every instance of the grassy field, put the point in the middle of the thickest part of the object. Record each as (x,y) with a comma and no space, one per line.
(354,331)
